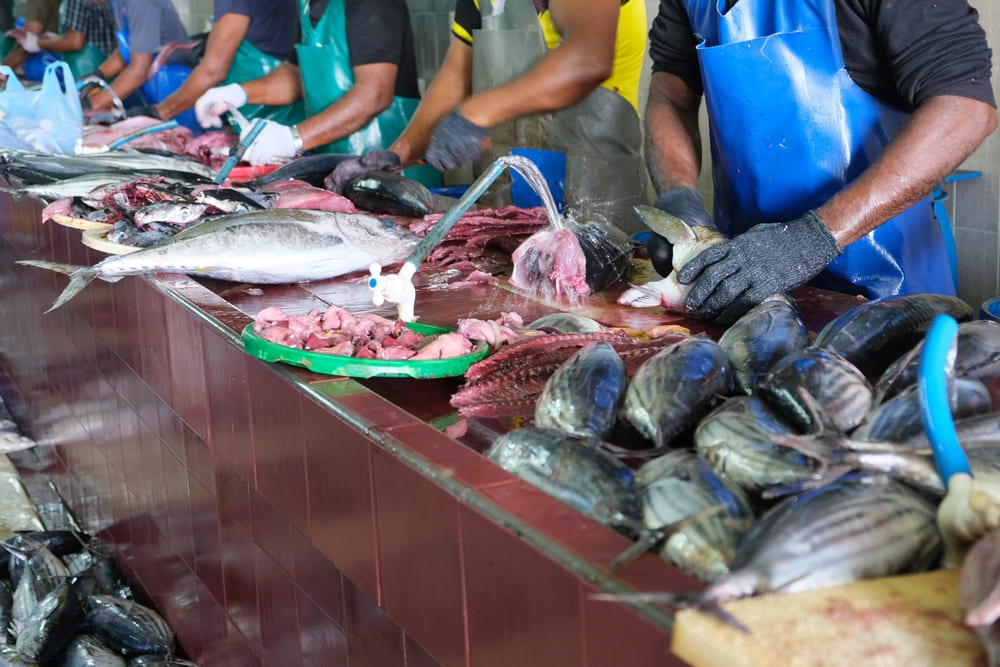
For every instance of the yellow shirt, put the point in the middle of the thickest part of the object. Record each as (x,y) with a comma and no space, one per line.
(630,44)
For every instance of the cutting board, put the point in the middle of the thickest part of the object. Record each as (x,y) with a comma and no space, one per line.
(912,621)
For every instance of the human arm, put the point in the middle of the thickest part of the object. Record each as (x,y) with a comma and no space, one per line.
(128,80)
(68,42)
(224,39)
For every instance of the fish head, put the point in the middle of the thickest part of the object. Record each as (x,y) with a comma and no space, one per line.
(174,212)
(385,240)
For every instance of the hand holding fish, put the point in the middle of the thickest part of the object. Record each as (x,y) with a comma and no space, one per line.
(456,141)
(768,258)
(215,101)
(348,170)
(969,510)
(686,204)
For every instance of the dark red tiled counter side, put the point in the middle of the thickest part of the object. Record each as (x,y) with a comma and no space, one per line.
(277,516)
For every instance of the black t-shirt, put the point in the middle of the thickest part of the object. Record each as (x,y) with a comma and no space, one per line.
(378,31)
(900,52)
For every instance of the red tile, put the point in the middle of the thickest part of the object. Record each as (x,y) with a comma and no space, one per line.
(522,607)
(233,651)
(232,493)
(228,403)
(321,640)
(279,623)
(154,354)
(171,431)
(207,544)
(127,322)
(434,396)
(338,478)
(318,578)
(178,513)
(617,635)
(277,442)
(374,409)
(372,636)
(271,530)
(416,656)
(198,458)
(455,459)
(239,577)
(183,340)
(419,558)
(210,619)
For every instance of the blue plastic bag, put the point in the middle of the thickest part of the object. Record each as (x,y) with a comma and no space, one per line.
(48,118)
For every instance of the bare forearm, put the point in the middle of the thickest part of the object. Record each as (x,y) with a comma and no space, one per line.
(938,138)
(279,87)
(68,42)
(372,92)
(673,139)
(123,85)
(448,88)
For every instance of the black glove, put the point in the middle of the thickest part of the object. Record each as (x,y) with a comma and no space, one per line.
(731,278)
(348,170)
(686,204)
(456,141)
(145,110)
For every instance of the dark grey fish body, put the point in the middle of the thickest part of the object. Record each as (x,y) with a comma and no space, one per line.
(61,167)
(573,470)
(6,612)
(388,193)
(837,534)
(43,572)
(815,388)
(608,251)
(96,575)
(672,390)
(977,356)
(899,418)
(677,486)
(763,336)
(231,200)
(313,169)
(970,430)
(51,625)
(89,651)
(128,626)
(875,333)
(582,397)
(566,323)
(749,445)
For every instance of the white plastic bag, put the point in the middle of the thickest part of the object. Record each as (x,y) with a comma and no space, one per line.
(48,118)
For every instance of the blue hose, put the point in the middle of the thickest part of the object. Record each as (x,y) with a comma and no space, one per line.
(932,390)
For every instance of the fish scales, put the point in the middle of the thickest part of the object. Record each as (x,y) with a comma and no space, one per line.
(762,337)
(837,534)
(582,396)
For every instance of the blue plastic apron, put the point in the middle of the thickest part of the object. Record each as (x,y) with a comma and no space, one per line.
(167,79)
(325,67)
(789,129)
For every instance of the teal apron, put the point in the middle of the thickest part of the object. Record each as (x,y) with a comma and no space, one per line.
(325,66)
(600,135)
(162,84)
(84,61)
(251,63)
(789,129)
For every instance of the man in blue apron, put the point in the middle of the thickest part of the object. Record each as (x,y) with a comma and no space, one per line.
(145,26)
(355,69)
(248,39)
(831,122)
(553,75)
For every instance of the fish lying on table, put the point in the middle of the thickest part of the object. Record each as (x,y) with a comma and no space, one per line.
(263,247)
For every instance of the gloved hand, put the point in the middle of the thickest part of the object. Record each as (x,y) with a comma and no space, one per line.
(348,170)
(212,104)
(91,87)
(274,143)
(29,42)
(686,204)
(456,141)
(769,258)
(145,110)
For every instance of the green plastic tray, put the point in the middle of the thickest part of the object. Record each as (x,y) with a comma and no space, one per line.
(331,364)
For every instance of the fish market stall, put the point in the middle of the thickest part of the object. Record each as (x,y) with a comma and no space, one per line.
(280,515)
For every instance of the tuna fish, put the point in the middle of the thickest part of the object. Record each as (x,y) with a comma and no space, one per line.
(687,242)
(129,627)
(583,395)
(679,486)
(50,625)
(574,470)
(387,193)
(262,247)
(674,389)
(875,333)
(765,335)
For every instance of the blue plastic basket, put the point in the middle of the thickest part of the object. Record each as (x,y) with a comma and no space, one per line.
(990,309)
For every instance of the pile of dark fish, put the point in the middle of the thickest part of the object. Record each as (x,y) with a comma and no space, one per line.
(63,602)
(766,460)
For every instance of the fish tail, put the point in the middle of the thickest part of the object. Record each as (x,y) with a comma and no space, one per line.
(647,540)
(714,608)
(666,225)
(79,277)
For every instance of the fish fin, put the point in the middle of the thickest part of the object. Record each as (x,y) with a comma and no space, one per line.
(640,296)
(713,608)
(827,475)
(669,226)
(647,540)
(677,600)
(79,277)
(15,628)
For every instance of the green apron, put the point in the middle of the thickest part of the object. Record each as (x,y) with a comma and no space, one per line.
(600,134)
(251,63)
(84,61)
(325,67)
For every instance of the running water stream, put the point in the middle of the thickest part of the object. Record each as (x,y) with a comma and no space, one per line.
(534,178)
